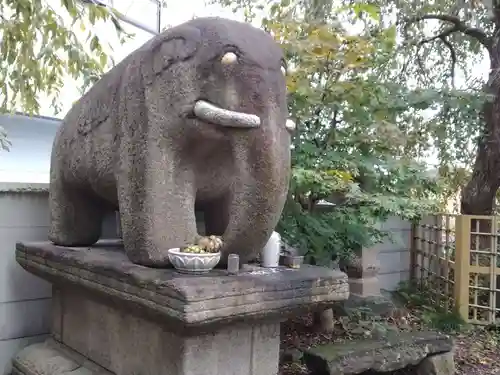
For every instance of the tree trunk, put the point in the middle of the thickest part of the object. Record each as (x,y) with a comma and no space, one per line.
(479,195)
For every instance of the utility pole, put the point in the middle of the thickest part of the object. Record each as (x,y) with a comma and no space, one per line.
(130,21)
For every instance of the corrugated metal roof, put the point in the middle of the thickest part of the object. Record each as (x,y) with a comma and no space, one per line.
(28,160)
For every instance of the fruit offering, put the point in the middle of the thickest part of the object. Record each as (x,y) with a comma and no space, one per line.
(208,244)
(211,244)
(194,249)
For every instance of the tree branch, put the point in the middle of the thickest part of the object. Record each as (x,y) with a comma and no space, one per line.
(421,65)
(458,26)
(453,56)
(441,35)
(332,135)
(315,120)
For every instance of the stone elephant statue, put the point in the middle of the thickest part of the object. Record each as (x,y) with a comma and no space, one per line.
(196,117)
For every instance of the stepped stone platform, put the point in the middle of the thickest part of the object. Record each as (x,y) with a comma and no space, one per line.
(111,316)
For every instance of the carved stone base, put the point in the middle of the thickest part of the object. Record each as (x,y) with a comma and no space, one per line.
(145,348)
(126,319)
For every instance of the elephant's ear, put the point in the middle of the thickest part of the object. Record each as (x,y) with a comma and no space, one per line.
(178,45)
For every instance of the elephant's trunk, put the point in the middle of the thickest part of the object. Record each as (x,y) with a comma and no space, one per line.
(258,193)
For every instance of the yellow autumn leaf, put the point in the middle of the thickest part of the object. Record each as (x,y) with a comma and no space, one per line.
(291,85)
(319,51)
(326,35)
(314,32)
(343,175)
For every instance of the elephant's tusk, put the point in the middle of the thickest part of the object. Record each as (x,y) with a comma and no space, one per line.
(290,125)
(224,117)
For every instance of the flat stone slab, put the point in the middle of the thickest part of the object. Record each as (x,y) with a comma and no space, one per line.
(193,300)
(395,352)
(52,358)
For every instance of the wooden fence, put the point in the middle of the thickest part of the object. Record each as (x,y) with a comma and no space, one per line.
(457,259)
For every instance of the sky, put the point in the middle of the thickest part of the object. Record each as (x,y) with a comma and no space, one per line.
(143,11)
(176,12)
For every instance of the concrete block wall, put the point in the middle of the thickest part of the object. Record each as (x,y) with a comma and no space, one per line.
(25,299)
(394,253)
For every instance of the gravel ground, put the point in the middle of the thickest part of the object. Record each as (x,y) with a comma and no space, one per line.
(477,350)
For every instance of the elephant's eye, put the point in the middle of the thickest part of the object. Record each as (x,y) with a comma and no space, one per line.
(229,58)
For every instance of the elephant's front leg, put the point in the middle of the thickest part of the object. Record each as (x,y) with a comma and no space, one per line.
(157,211)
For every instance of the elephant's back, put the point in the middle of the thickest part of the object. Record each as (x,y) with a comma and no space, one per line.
(84,160)
(84,144)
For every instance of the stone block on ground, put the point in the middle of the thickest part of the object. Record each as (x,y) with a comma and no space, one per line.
(365,286)
(372,306)
(130,319)
(438,364)
(52,358)
(392,353)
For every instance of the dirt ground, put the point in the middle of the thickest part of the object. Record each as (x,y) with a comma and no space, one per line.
(477,350)
(478,353)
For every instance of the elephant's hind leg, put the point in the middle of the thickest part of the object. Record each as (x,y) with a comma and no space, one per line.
(76,218)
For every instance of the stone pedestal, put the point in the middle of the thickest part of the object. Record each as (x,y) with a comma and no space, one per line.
(362,271)
(114,317)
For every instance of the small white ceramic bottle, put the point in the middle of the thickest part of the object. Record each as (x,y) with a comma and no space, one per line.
(270,255)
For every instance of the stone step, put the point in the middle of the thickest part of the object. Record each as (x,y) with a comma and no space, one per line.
(396,351)
(52,358)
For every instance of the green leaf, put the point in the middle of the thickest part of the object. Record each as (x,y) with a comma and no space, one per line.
(94,43)
(103,60)
(370,9)
(40,49)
